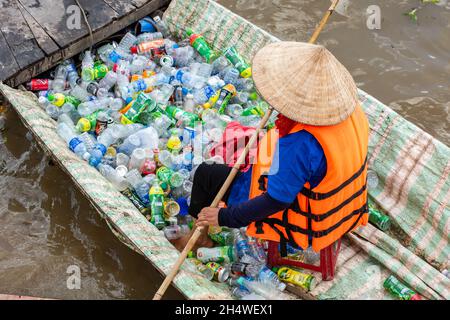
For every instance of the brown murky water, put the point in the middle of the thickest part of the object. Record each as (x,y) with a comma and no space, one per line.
(46,225)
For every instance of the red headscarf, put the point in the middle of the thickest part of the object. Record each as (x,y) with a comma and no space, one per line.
(284,125)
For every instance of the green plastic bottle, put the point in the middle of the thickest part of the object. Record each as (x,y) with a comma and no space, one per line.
(377,218)
(187,118)
(156,196)
(238,62)
(142,103)
(399,290)
(199,43)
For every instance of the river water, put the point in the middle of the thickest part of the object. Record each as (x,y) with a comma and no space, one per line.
(47,226)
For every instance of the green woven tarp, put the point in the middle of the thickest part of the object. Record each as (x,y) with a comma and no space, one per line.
(413,169)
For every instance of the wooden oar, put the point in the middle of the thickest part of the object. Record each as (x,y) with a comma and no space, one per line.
(198,231)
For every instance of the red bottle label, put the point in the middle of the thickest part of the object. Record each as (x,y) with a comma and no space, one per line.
(39,84)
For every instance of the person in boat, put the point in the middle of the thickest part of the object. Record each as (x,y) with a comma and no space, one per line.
(312,190)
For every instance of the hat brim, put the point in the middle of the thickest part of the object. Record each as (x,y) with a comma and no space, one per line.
(305,83)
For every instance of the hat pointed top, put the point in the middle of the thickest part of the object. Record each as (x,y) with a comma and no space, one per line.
(305,82)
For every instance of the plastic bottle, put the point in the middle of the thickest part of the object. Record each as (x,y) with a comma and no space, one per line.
(141,188)
(161,26)
(90,107)
(174,142)
(236,59)
(207,272)
(108,81)
(87,67)
(231,76)
(80,93)
(53,111)
(183,56)
(72,74)
(241,244)
(176,231)
(149,36)
(234,110)
(202,95)
(399,290)
(113,176)
(60,78)
(137,159)
(219,65)
(258,288)
(57,99)
(199,43)
(121,52)
(70,137)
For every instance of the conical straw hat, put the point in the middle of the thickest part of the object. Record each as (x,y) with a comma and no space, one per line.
(305,83)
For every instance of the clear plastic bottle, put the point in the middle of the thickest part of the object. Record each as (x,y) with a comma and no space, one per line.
(75,144)
(127,41)
(202,95)
(87,67)
(219,65)
(141,188)
(234,110)
(53,111)
(257,249)
(130,143)
(241,244)
(259,288)
(72,74)
(113,176)
(176,231)
(149,36)
(105,84)
(183,56)
(59,82)
(89,107)
(231,76)
(161,26)
(80,93)
(137,159)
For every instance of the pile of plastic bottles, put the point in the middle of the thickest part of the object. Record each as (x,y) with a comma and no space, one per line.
(132,110)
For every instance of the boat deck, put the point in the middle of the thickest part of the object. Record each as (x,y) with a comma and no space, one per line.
(37,34)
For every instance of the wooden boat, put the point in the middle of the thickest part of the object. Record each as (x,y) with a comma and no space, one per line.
(414,187)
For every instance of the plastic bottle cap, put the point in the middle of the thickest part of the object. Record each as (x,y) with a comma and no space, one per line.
(193,37)
(133,49)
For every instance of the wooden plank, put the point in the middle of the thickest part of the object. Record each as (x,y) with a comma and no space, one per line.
(122,7)
(44,41)
(18,35)
(75,48)
(57,19)
(139,3)
(8,64)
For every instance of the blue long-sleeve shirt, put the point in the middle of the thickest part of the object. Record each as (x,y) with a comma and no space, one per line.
(298,159)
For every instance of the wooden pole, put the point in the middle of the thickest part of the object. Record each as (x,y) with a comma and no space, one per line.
(198,231)
(323,22)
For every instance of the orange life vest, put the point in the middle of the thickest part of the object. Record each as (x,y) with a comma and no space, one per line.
(336,206)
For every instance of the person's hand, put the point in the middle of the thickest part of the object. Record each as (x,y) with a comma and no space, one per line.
(208,217)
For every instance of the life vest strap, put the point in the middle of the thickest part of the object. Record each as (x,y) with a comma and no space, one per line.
(323,216)
(322,196)
(289,228)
